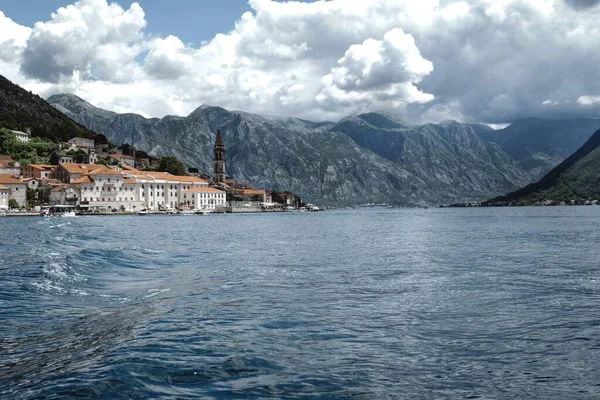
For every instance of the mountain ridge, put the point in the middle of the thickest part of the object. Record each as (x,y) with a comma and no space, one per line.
(540,144)
(319,160)
(576,178)
(20,109)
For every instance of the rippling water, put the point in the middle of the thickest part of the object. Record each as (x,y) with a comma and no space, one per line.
(439,303)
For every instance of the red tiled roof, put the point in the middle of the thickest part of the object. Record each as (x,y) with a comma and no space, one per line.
(41,167)
(253,191)
(83,179)
(106,171)
(74,168)
(9,179)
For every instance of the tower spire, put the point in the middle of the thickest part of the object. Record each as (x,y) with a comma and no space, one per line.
(219,166)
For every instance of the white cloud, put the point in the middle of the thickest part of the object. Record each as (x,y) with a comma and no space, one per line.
(168,59)
(13,38)
(588,100)
(91,37)
(377,71)
(477,60)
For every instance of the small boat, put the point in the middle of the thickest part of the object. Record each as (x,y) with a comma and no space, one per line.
(68,214)
(143,211)
(186,212)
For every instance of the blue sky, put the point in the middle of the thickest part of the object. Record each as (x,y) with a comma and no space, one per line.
(193,21)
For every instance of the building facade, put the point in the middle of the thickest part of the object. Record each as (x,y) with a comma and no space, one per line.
(82,142)
(101,187)
(205,198)
(38,171)
(22,136)
(4,197)
(17,188)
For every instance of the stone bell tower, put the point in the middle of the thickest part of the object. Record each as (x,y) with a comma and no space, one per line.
(219,170)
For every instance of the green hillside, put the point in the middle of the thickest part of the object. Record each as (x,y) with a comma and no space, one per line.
(576,178)
(20,109)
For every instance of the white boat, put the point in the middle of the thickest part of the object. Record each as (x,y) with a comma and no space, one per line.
(68,214)
(143,211)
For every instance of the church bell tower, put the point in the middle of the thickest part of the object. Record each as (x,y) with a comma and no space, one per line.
(219,171)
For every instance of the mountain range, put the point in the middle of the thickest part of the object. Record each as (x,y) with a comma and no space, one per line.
(541,144)
(372,157)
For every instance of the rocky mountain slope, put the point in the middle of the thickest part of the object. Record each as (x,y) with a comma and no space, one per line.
(20,109)
(373,157)
(541,144)
(576,178)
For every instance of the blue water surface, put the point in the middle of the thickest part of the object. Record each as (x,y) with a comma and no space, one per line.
(399,303)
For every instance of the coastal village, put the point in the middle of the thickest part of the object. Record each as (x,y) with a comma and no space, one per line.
(116,181)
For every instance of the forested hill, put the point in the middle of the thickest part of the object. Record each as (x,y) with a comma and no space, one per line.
(20,109)
(576,178)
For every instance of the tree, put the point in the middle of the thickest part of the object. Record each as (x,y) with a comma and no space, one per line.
(172,165)
(32,197)
(100,139)
(12,203)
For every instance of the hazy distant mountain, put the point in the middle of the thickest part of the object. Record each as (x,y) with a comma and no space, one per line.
(370,157)
(541,144)
(576,178)
(20,109)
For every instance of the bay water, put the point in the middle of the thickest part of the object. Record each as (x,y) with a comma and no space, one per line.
(377,303)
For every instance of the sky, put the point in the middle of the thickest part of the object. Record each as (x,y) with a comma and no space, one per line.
(488,61)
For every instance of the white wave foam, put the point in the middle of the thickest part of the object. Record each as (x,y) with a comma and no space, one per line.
(155,292)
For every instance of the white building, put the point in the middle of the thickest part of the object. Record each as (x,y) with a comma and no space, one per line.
(123,159)
(204,198)
(23,136)
(82,142)
(17,189)
(128,189)
(10,168)
(64,194)
(66,159)
(4,197)
(109,189)
(161,189)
